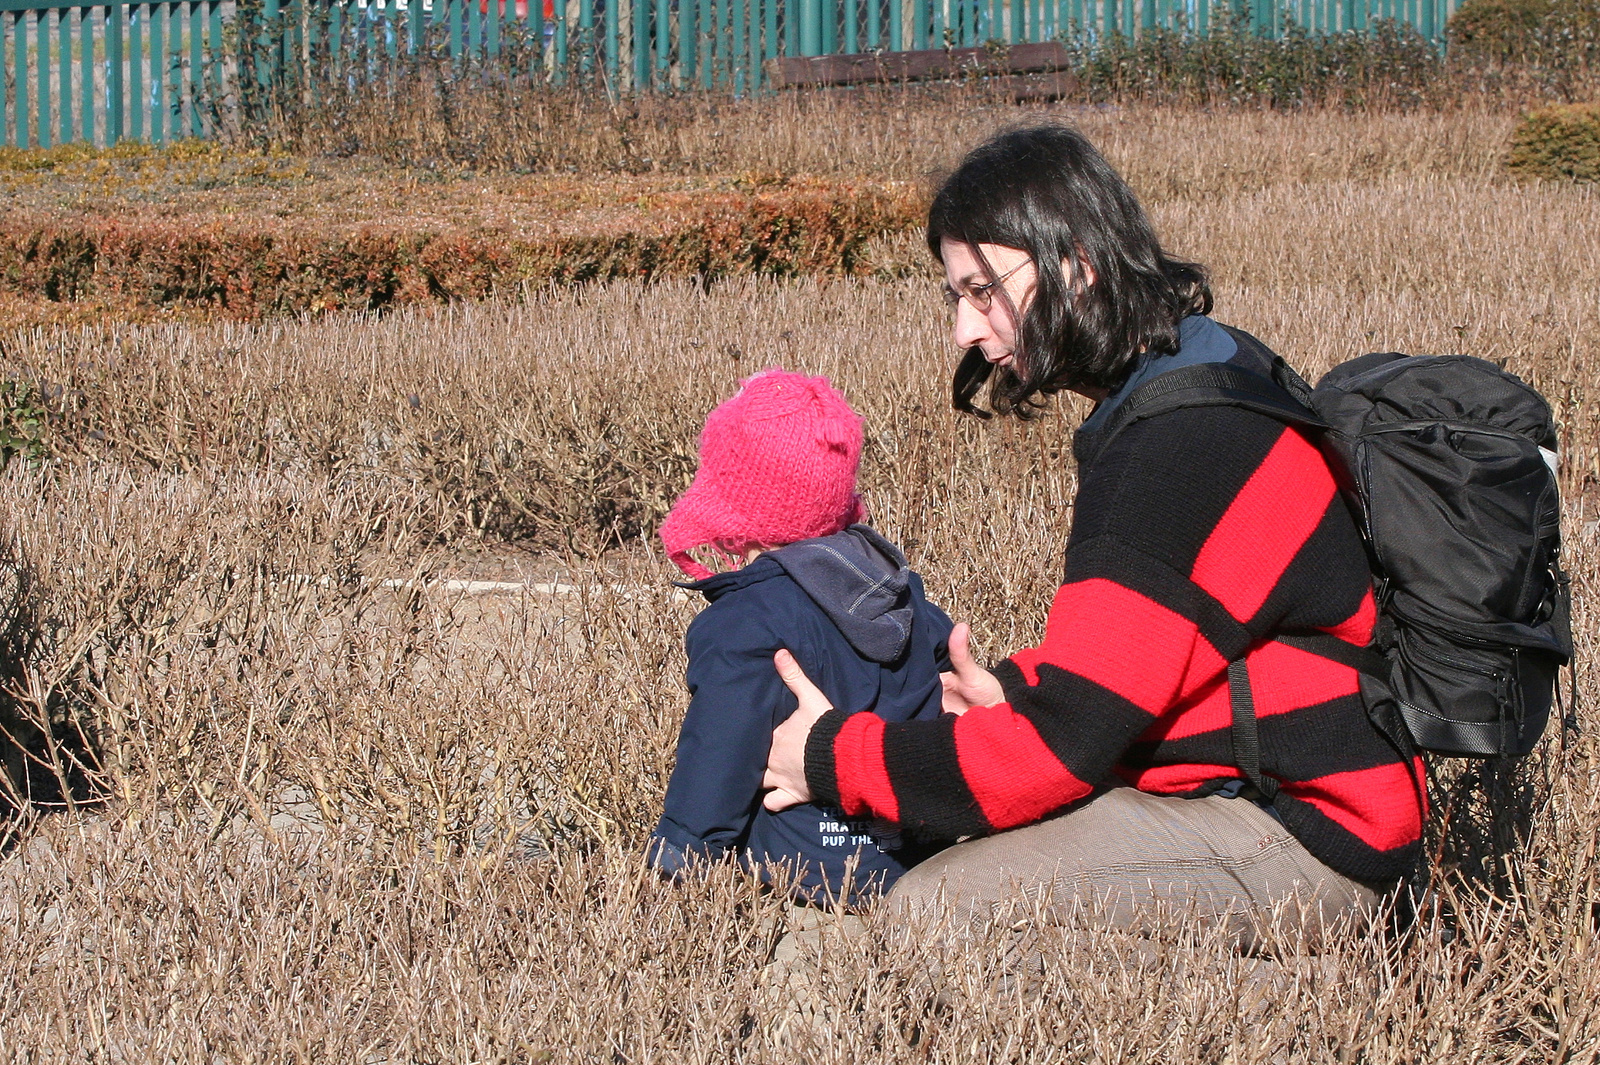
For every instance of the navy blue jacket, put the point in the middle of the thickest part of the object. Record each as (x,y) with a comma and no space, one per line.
(858,622)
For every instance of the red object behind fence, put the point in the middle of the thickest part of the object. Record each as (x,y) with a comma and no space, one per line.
(522,8)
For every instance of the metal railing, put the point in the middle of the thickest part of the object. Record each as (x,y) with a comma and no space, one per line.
(161,71)
(106,73)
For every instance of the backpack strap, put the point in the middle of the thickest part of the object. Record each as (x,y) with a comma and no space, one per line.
(1327,645)
(1213,384)
(1284,397)
(1245,733)
(1246,736)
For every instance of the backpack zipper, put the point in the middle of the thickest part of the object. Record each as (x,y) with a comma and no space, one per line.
(1451,660)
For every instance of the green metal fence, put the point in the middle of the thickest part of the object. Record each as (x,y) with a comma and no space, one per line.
(105,73)
(166,70)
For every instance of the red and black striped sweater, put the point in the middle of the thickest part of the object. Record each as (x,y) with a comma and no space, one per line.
(1197,536)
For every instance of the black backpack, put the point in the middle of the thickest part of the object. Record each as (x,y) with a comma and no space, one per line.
(1448,465)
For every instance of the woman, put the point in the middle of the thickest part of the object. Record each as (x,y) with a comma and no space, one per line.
(1099,766)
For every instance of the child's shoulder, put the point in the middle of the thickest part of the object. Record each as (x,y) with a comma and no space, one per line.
(764,603)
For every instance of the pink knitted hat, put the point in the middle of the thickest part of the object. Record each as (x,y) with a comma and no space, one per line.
(777,464)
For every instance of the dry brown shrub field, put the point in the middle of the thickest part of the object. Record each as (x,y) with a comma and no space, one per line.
(673,187)
(306,802)
(200,231)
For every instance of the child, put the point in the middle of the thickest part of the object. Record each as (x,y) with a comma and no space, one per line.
(776,488)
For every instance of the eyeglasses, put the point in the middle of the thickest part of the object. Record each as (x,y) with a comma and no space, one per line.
(980,296)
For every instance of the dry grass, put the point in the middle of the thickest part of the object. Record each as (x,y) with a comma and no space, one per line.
(889,132)
(344,822)
(796,185)
(890,136)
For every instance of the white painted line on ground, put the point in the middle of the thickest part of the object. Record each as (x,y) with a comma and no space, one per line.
(491,587)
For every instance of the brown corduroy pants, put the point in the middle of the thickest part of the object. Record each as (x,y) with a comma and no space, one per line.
(1125,854)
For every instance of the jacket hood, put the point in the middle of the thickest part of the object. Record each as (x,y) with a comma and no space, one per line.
(1200,340)
(858,578)
(861,582)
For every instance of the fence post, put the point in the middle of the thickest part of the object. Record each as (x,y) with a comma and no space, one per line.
(332,34)
(810,26)
(184,86)
(688,46)
(704,43)
(164,29)
(586,40)
(19,78)
(5,117)
(158,71)
(196,65)
(641,45)
(663,39)
(136,97)
(754,20)
(743,18)
(175,67)
(86,74)
(266,51)
(172,70)
(64,72)
(290,40)
(559,44)
(41,69)
(112,23)
(614,17)
(716,26)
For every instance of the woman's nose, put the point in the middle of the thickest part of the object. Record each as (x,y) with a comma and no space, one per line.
(971,327)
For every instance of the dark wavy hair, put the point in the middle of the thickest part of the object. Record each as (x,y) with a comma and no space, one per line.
(1046,191)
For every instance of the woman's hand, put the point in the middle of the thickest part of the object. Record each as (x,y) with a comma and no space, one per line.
(970,684)
(786,761)
(967,686)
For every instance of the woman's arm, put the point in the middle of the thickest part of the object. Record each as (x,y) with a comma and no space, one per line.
(1058,717)
(1192,539)
(967,685)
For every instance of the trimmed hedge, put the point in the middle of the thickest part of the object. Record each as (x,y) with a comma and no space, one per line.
(255,266)
(1560,143)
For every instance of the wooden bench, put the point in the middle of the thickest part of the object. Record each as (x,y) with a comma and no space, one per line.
(1023,71)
